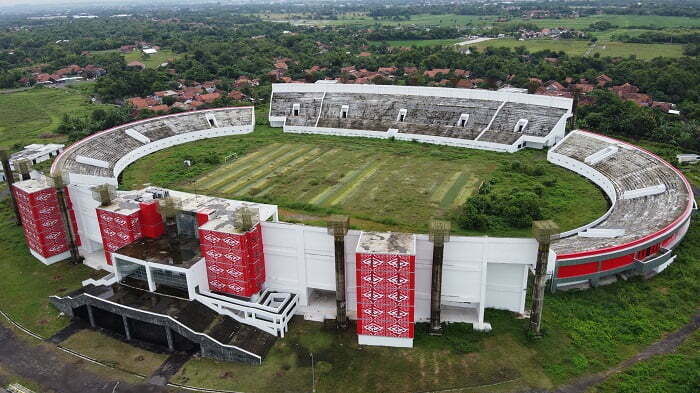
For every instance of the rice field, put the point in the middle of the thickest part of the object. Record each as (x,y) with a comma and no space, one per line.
(356,181)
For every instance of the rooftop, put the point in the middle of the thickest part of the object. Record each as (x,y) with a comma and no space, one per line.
(386,243)
(183,253)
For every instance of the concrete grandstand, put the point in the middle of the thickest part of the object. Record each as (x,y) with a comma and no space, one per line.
(481,119)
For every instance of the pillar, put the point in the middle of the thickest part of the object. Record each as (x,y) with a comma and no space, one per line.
(59,184)
(543,231)
(338,228)
(438,235)
(127,332)
(91,316)
(169,337)
(9,179)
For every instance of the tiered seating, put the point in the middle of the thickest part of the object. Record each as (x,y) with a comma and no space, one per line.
(309,105)
(112,145)
(628,169)
(155,130)
(541,119)
(424,115)
(379,112)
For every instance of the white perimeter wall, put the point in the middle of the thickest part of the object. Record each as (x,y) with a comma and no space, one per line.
(478,272)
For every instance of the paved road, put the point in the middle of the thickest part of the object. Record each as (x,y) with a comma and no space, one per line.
(57,373)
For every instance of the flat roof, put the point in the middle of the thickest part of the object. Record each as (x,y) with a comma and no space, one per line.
(127,202)
(185,254)
(386,243)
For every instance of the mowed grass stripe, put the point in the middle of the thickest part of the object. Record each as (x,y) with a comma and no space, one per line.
(321,197)
(444,187)
(349,188)
(466,193)
(249,159)
(294,170)
(335,162)
(265,180)
(455,190)
(266,168)
(213,176)
(237,171)
(332,192)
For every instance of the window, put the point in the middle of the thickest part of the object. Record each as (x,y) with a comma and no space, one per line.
(211,123)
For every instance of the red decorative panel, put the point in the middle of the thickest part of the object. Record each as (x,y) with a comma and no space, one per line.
(235,262)
(617,262)
(118,230)
(42,222)
(385,295)
(577,270)
(148,213)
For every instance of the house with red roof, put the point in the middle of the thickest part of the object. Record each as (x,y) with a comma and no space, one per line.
(436,71)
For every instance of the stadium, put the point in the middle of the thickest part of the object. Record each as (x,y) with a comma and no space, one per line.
(224,277)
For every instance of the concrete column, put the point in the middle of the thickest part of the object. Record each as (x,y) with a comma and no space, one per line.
(68,227)
(439,234)
(340,300)
(149,277)
(338,228)
(436,288)
(169,337)
(91,317)
(543,231)
(127,331)
(9,179)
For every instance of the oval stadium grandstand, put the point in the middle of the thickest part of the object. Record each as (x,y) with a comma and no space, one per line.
(105,154)
(225,277)
(651,205)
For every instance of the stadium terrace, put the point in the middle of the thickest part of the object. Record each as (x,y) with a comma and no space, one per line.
(225,277)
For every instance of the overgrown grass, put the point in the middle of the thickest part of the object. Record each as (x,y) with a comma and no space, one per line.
(32,116)
(115,352)
(580,47)
(26,284)
(154,60)
(419,43)
(678,372)
(399,185)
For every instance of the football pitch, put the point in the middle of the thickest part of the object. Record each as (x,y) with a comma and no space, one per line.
(353,180)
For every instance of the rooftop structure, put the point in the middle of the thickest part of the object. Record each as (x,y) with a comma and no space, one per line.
(387,243)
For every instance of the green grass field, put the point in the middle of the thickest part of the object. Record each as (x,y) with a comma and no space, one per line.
(419,43)
(26,284)
(32,116)
(580,47)
(673,373)
(381,184)
(152,61)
